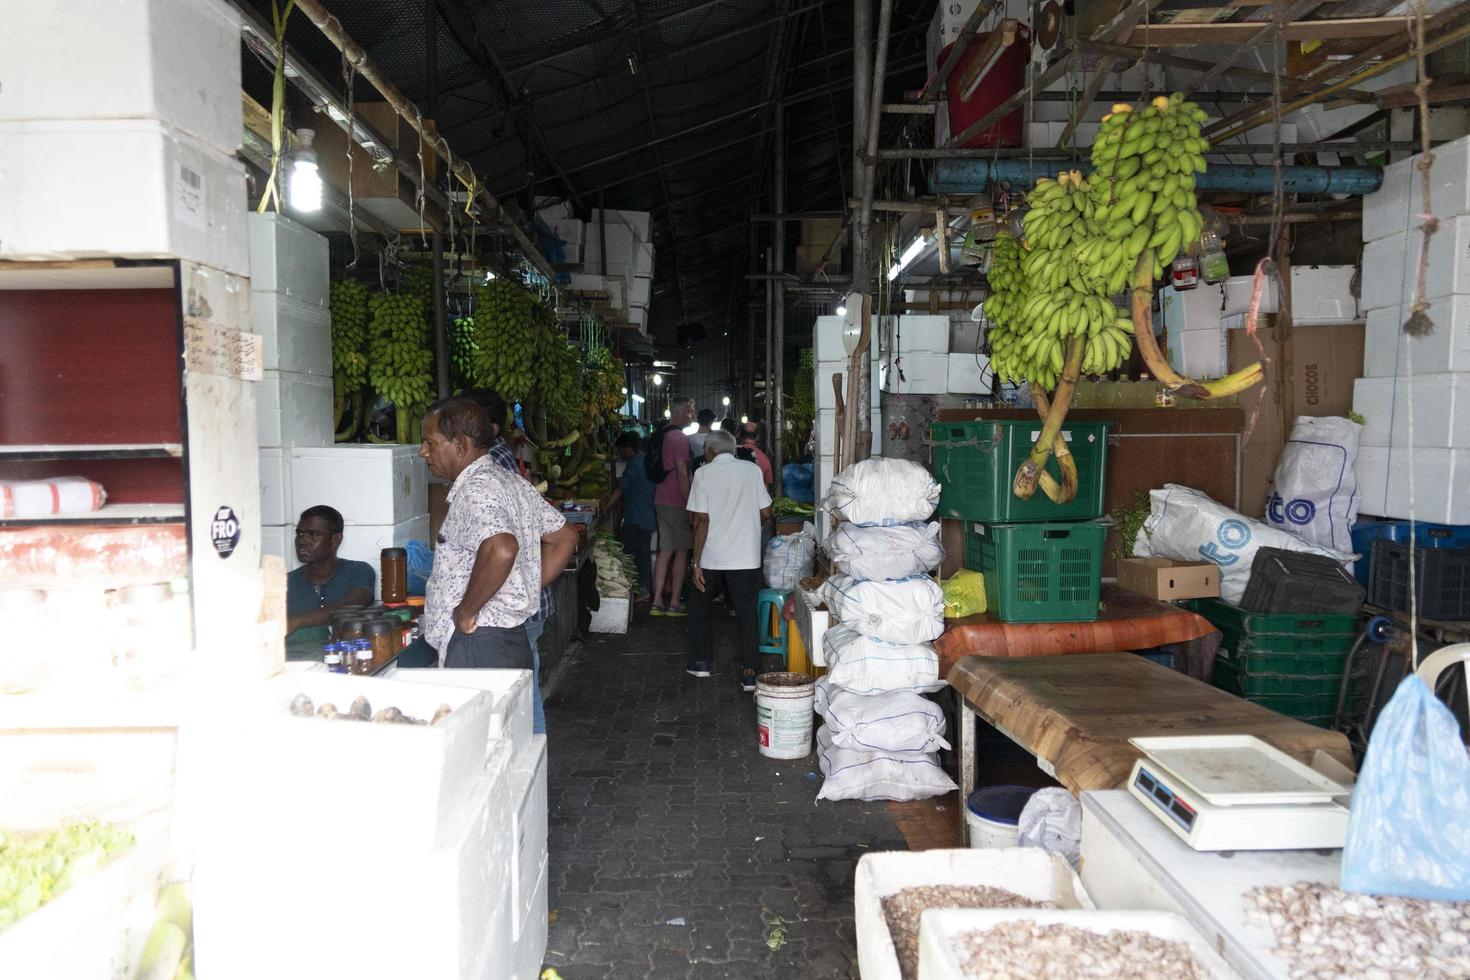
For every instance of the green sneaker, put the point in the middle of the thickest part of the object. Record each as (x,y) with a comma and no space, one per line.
(656,611)
(672,611)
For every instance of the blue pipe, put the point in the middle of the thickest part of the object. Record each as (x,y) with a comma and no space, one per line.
(976,176)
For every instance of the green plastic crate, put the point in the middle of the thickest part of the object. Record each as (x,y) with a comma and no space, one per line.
(975,463)
(1038,573)
(1255,660)
(1317,709)
(1323,644)
(1233,619)
(1229,676)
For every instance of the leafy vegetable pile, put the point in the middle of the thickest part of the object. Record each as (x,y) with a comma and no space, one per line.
(616,572)
(35,869)
(783,506)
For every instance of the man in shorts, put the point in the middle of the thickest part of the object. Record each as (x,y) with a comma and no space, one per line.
(670,500)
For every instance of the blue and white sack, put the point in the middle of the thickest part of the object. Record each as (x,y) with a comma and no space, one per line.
(1315,496)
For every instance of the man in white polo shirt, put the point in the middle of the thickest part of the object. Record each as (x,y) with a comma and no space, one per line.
(728,503)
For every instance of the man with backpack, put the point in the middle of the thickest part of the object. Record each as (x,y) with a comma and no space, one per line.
(669,468)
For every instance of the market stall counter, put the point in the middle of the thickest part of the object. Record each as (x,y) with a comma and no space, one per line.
(1128,621)
(1076,714)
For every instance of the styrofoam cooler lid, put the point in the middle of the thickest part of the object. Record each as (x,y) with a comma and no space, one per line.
(1002,804)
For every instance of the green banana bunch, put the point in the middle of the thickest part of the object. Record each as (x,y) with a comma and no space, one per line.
(400,363)
(349,305)
(501,342)
(556,376)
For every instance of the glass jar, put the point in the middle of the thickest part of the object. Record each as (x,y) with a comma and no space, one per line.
(385,635)
(337,616)
(351,628)
(394,564)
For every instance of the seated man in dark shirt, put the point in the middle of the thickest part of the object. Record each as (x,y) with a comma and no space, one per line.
(324,582)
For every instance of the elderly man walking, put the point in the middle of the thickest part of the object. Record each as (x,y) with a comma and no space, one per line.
(499,545)
(728,503)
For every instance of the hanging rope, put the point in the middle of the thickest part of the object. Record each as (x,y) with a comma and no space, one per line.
(349,78)
(272,193)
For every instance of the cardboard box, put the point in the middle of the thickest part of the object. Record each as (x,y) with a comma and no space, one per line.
(1326,360)
(1164,578)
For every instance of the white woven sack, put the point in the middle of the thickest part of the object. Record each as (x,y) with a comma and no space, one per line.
(1315,495)
(885,551)
(909,610)
(852,774)
(864,665)
(1186,525)
(895,721)
(789,558)
(883,490)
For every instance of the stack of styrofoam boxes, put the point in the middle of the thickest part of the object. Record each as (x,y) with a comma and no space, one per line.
(1195,320)
(968,370)
(119,123)
(1437,365)
(915,354)
(830,357)
(442,828)
(381,491)
(290,296)
(629,238)
(563,223)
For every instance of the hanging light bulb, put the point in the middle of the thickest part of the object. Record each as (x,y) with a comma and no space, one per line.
(668,414)
(841,309)
(658,379)
(625,391)
(304,187)
(744,419)
(725,401)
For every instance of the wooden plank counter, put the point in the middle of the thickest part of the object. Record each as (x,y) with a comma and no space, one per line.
(1076,714)
(1128,621)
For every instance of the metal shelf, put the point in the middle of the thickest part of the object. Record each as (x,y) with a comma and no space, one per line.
(152,450)
(109,514)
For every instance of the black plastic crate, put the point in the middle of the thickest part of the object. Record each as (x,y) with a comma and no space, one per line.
(1296,582)
(1441,579)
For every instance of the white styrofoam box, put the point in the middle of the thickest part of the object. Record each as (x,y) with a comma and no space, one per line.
(295,336)
(288,257)
(527,792)
(1192,309)
(940,928)
(365,542)
(916,374)
(969,374)
(638,223)
(533,930)
(1198,353)
(114,907)
(642,259)
(571,232)
(827,428)
(1238,290)
(614,286)
(617,236)
(275,488)
(612,615)
(916,335)
(167,194)
(1398,204)
(293,409)
(1393,265)
(640,291)
(549,208)
(368,484)
(1441,410)
(459,887)
(1440,478)
(639,317)
(170,61)
(416,779)
(1322,294)
(279,540)
(1386,348)
(510,697)
(827,398)
(1027,871)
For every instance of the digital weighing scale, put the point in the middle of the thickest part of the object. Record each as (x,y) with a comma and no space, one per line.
(1236,793)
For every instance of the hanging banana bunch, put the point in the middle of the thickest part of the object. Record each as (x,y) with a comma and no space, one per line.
(400,363)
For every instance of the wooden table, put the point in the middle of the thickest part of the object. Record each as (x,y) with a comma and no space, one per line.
(1076,714)
(1128,621)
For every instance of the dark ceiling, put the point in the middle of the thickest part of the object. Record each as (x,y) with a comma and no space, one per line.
(650,105)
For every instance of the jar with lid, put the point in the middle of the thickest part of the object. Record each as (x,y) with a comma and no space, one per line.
(394,563)
(337,615)
(351,628)
(332,657)
(385,635)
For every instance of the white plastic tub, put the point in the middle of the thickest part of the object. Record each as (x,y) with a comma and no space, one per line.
(612,616)
(510,697)
(937,959)
(1029,872)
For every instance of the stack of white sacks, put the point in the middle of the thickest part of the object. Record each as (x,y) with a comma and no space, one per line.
(1437,365)
(881,737)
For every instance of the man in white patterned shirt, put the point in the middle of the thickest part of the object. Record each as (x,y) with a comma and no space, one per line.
(499,544)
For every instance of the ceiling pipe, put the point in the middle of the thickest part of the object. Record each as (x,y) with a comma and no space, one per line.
(976,176)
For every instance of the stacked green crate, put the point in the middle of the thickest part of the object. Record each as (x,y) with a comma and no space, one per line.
(1291,663)
(1042,561)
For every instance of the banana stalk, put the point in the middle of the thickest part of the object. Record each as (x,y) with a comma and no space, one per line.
(1029,473)
(1056,492)
(1148,347)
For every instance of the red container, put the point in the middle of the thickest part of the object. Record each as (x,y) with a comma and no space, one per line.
(1004,79)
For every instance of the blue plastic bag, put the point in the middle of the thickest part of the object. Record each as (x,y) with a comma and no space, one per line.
(798,481)
(1409,820)
(420,565)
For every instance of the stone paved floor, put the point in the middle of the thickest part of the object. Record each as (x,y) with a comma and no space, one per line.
(676,849)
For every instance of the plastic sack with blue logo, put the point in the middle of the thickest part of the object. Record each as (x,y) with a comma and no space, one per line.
(1409,820)
(1315,495)
(420,566)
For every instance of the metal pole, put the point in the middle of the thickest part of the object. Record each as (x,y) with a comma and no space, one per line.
(778,426)
(431,103)
(770,334)
(862,75)
(750,323)
(865,213)
(601,235)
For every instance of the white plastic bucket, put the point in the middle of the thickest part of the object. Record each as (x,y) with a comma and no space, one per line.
(783,715)
(993,815)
